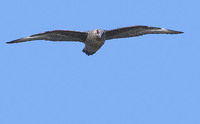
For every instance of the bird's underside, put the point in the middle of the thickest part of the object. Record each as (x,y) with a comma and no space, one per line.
(94,39)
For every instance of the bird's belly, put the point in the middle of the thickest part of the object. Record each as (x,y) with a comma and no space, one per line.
(93,45)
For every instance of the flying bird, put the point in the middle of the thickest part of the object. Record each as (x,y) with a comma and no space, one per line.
(94,39)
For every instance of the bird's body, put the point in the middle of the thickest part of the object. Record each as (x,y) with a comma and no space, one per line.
(94,39)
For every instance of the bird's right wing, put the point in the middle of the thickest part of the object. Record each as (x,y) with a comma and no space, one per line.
(137,30)
(55,35)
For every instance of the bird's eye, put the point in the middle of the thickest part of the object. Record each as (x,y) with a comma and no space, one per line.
(97,31)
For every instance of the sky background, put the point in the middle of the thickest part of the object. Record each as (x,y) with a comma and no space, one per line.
(153,79)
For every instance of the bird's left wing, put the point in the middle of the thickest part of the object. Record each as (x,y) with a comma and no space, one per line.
(137,30)
(55,35)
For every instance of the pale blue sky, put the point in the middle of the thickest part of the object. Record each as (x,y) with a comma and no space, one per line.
(153,79)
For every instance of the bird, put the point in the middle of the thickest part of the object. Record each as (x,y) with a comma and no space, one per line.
(94,39)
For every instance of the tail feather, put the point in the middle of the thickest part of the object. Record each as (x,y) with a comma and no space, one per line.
(87,52)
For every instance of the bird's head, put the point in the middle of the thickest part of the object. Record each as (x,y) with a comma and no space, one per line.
(98,33)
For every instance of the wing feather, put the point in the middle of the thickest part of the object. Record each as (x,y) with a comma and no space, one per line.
(137,30)
(55,35)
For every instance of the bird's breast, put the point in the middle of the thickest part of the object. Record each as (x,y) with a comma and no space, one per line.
(94,43)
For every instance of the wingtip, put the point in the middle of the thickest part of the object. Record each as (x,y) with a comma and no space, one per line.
(9,42)
(179,32)
(17,41)
(174,32)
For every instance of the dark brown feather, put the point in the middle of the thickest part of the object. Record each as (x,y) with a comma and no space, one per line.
(136,31)
(56,35)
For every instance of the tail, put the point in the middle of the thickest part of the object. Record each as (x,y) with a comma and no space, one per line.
(87,52)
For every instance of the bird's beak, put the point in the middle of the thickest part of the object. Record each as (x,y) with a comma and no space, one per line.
(99,35)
